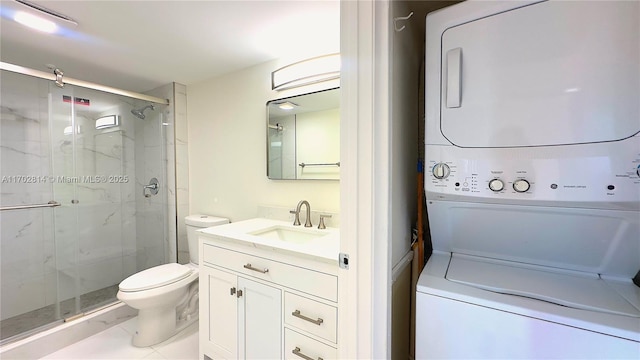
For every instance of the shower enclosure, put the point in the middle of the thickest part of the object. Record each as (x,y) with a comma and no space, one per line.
(79,213)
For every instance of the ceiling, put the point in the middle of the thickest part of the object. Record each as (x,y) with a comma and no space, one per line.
(140,45)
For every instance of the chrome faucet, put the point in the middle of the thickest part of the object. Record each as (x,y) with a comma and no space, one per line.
(296,222)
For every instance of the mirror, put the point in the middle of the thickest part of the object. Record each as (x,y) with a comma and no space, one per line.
(303,137)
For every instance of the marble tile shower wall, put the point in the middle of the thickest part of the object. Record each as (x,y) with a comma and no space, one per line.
(166,199)
(181,162)
(27,250)
(151,227)
(114,231)
(96,238)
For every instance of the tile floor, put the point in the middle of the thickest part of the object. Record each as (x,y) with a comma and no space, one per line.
(115,344)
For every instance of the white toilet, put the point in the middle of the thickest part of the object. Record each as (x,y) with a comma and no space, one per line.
(166,296)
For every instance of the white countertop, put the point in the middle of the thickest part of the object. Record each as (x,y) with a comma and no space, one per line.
(325,248)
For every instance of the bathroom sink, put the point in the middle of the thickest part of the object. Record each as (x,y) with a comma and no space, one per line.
(279,236)
(288,234)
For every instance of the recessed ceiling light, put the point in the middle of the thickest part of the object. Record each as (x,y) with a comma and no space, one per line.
(35,22)
(56,16)
(287,105)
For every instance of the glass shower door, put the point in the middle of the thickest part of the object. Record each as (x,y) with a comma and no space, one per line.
(27,249)
(106,229)
(93,153)
(63,134)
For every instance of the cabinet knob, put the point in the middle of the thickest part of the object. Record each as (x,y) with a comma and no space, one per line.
(233,291)
(239,293)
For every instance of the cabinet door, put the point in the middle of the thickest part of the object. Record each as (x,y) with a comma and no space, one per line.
(260,321)
(219,316)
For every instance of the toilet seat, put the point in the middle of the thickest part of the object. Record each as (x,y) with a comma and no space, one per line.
(155,277)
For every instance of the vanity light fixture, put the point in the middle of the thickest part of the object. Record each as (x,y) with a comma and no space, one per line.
(107,122)
(287,105)
(306,72)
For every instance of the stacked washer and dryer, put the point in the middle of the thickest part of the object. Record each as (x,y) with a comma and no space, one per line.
(533,141)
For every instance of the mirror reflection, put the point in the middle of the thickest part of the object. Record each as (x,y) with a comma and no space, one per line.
(303,136)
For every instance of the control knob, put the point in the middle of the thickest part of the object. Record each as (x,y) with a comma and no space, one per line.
(496,185)
(441,171)
(521,185)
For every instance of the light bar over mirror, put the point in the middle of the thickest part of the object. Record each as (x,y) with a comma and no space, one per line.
(306,72)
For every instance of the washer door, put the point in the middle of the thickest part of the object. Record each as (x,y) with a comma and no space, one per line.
(551,73)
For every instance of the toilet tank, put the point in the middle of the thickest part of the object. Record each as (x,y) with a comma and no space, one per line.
(195,222)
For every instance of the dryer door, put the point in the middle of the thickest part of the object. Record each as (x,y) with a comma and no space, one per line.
(551,73)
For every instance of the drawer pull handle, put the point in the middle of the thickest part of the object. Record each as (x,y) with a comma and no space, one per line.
(296,351)
(298,315)
(248,266)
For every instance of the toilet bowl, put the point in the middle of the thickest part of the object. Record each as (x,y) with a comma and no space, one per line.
(166,296)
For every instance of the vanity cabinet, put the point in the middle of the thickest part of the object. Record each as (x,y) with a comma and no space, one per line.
(244,317)
(258,303)
(217,301)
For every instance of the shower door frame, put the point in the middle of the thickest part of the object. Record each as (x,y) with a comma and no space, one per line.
(71,81)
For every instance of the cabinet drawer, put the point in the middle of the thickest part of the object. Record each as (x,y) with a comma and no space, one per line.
(305,280)
(298,346)
(312,316)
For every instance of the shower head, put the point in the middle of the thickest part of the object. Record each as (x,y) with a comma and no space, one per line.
(140,112)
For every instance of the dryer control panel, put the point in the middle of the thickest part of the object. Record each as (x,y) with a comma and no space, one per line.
(574,175)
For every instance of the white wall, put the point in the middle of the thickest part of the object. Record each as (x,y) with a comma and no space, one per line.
(227,149)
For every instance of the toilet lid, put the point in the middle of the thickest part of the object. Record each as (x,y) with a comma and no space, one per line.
(155,277)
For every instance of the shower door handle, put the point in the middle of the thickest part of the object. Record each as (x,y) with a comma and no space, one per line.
(153,188)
